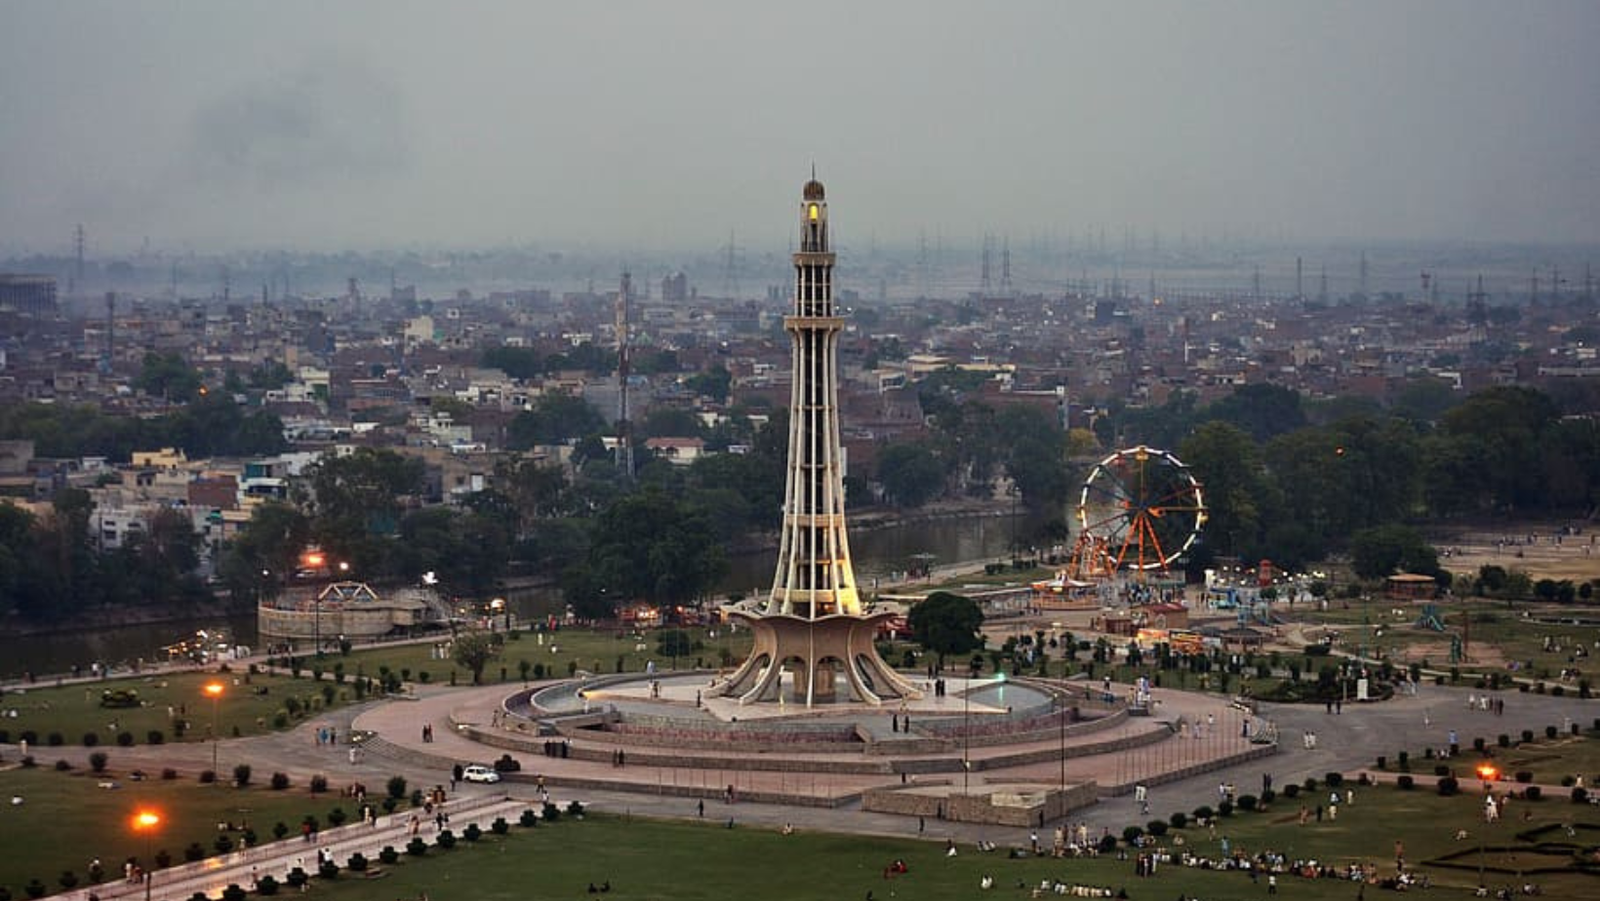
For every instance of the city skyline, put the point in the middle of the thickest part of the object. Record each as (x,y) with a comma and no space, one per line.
(236,126)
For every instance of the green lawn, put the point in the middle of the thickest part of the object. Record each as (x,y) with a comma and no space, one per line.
(587,649)
(249,705)
(66,819)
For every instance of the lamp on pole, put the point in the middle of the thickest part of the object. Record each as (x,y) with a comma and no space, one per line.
(966,736)
(1488,773)
(146,821)
(213,690)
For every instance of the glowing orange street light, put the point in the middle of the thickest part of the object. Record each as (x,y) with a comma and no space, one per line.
(146,821)
(1488,772)
(214,691)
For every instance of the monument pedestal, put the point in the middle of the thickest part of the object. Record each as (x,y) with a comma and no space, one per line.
(816,651)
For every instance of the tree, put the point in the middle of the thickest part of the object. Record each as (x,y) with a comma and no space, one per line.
(713,383)
(168,376)
(1264,410)
(910,474)
(1382,551)
(554,419)
(947,623)
(1225,461)
(474,650)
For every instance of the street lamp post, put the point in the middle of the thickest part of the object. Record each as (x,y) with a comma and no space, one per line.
(146,821)
(213,690)
(1488,774)
(966,736)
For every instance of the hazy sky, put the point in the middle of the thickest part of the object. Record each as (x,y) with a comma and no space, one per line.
(666,125)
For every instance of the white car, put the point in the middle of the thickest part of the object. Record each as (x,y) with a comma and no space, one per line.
(478,773)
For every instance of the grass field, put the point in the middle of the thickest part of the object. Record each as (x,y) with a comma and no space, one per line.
(705,862)
(249,705)
(585,649)
(66,819)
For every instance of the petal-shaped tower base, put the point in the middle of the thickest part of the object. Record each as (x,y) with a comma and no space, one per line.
(817,652)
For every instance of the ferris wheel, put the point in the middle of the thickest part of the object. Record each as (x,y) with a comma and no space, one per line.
(1143,507)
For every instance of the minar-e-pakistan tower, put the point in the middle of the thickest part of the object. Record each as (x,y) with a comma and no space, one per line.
(812,625)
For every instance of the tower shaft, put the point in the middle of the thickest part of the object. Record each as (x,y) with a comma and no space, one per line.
(814,576)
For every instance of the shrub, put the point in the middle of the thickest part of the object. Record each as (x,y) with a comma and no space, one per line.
(169,774)
(224,843)
(550,813)
(500,826)
(1527,735)
(90,739)
(1551,732)
(163,859)
(397,787)
(154,737)
(1334,780)
(280,781)
(328,870)
(124,739)
(319,784)
(1449,786)
(388,854)
(1524,776)
(446,839)
(575,808)
(267,885)
(297,877)
(250,838)
(357,863)
(472,833)
(389,804)
(1441,770)
(1558,691)
(241,775)
(1157,828)
(1405,759)
(1204,812)
(1568,781)
(1179,820)
(28,762)
(1477,744)
(34,888)
(1130,834)
(1108,844)
(1267,796)
(194,852)
(507,764)
(337,816)
(1503,740)
(1580,796)
(1531,793)
(416,797)
(279,830)
(233,892)
(68,879)
(417,847)
(1383,762)
(1247,802)
(529,819)
(1291,790)
(1406,783)
(97,761)
(63,766)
